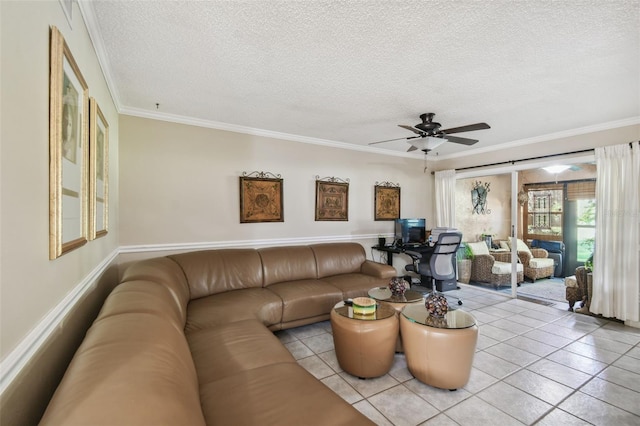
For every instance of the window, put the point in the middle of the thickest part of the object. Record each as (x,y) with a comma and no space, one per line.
(544,212)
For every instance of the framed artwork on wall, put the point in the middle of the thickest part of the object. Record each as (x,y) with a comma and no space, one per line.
(261,198)
(68,153)
(99,171)
(332,199)
(386,201)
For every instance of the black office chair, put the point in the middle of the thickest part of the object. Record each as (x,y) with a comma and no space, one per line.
(442,262)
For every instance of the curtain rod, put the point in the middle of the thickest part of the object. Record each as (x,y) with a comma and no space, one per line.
(529,159)
(525,159)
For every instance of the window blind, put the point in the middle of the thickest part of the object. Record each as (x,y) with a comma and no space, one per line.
(581,190)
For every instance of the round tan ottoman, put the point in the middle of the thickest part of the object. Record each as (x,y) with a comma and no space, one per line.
(384,296)
(364,344)
(439,352)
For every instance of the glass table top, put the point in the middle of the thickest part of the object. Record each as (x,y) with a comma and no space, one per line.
(385,295)
(454,319)
(382,311)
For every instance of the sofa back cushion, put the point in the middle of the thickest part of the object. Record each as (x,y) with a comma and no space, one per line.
(338,258)
(282,264)
(143,296)
(216,271)
(164,272)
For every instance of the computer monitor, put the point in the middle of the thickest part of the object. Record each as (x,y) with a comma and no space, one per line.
(410,231)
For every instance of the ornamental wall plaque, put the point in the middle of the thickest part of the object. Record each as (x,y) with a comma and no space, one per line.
(332,199)
(261,197)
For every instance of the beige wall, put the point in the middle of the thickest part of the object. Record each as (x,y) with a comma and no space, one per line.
(32,285)
(179,184)
(496,223)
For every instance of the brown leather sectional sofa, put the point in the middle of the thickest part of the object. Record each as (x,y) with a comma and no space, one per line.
(187,340)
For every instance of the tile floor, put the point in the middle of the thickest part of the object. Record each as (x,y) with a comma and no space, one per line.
(534,364)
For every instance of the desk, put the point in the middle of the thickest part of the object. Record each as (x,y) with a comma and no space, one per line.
(391,250)
(426,251)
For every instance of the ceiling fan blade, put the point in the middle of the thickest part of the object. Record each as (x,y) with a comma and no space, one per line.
(414,130)
(469,128)
(388,140)
(457,139)
(391,140)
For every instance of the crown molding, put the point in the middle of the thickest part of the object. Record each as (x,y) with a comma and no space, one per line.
(544,138)
(91,23)
(181,119)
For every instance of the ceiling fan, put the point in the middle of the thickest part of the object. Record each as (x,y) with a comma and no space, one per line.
(432,136)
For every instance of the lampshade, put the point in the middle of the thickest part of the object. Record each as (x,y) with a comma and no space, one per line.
(427,143)
(555,169)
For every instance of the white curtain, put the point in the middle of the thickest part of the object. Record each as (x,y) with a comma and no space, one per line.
(446,198)
(616,267)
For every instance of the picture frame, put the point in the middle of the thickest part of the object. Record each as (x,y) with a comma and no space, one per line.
(99,171)
(332,200)
(68,153)
(386,201)
(261,198)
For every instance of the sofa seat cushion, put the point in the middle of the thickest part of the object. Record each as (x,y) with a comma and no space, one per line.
(274,395)
(500,268)
(230,348)
(355,285)
(133,368)
(538,263)
(249,303)
(306,298)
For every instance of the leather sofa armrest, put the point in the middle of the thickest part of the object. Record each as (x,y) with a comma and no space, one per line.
(378,270)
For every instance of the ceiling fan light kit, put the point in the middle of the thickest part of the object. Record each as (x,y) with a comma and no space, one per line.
(428,143)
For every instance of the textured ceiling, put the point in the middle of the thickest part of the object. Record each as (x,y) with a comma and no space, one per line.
(351,71)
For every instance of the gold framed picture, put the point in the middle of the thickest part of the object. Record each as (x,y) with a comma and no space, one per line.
(332,200)
(99,171)
(386,202)
(68,154)
(261,198)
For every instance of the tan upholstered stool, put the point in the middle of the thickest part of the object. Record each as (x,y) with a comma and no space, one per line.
(439,352)
(384,296)
(364,345)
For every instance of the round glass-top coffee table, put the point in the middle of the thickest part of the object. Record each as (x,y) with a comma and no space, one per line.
(364,344)
(384,295)
(439,351)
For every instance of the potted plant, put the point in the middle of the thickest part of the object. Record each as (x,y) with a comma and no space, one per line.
(464,257)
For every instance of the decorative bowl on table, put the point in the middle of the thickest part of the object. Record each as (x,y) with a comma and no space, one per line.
(364,306)
(398,286)
(436,304)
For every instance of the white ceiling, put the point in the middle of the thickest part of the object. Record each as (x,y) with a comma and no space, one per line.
(350,71)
